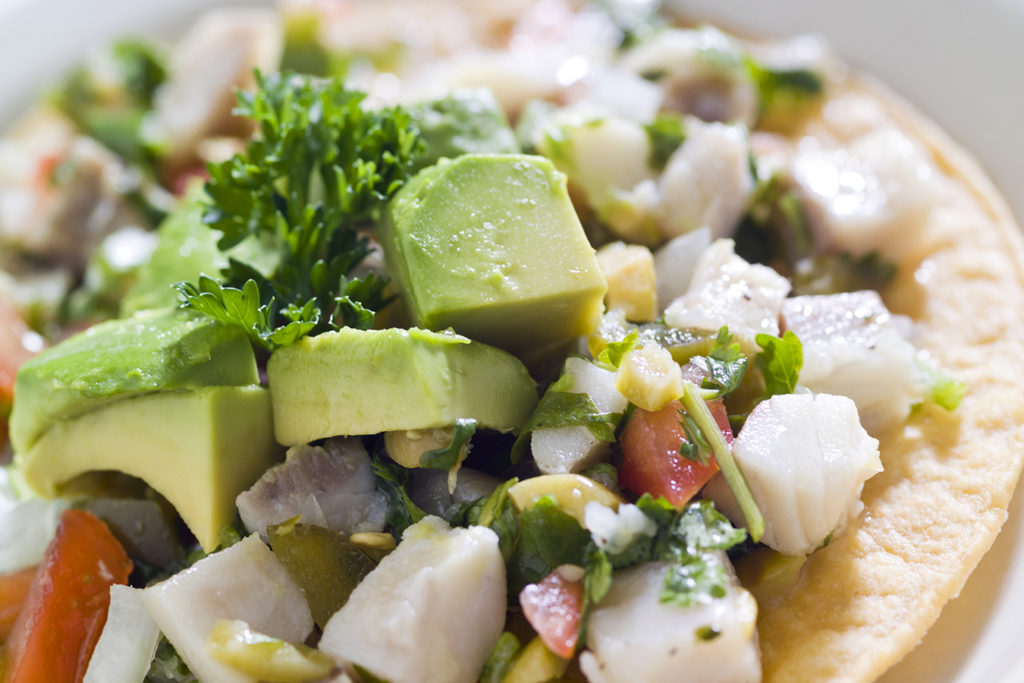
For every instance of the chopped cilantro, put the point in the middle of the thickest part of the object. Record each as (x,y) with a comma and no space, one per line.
(497,512)
(449,456)
(391,481)
(559,407)
(780,361)
(637,20)
(548,538)
(612,355)
(726,365)
(943,390)
(666,133)
(784,88)
(695,448)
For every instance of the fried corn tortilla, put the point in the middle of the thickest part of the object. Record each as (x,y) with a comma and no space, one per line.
(868,598)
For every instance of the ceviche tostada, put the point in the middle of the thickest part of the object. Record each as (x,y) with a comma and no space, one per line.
(522,341)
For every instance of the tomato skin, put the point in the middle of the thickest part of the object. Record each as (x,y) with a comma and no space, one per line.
(66,608)
(651,461)
(13,591)
(554,608)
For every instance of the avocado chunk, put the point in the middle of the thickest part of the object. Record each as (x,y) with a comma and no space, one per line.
(467,121)
(353,382)
(491,246)
(153,351)
(199,449)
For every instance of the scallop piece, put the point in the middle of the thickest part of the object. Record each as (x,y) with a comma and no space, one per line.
(854,347)
(431,611)
(244,582)
(701,71)
(707,181)
(574,449)
(873,195)
(332,486)
(217,55)
(633,636)
(675,263)
(806,458)
(726,290)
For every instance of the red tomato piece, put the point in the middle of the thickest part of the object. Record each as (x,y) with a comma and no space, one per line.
(651,462)
(554,608)
(66,608)
(13,332)
(13,591)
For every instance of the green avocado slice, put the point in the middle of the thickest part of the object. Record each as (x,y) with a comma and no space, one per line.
(353,382)
(150,352)
(490,245)
(199,449)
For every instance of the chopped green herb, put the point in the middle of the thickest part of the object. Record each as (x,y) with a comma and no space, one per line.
(449,456)
(392,480)
(780,361)
(943,390)
(548,538)
(784,88)
(559,407)
(603,473)
(666,133)
(614,352)
(500,660)
(698,409)
(695,448)
(637,20)
(168,666)
(707,633)
(496,512)
(319,167)
(726,365)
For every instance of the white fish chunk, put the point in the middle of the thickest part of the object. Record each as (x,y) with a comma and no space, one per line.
(431,611)
(854,347)
(332,486)
(573,449)
(873,195)
(632,636)
(726,290)
(244,582)
(675,262)
(806,458)
(707,181)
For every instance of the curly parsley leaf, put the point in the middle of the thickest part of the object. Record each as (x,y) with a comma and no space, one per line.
(319,167)
(559,407)
(780,361)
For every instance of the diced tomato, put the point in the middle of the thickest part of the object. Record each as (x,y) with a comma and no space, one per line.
(651,461)
(554,608)
(182,180)
(13,591)
(66,608)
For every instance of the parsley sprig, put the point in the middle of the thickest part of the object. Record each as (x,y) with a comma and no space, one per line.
(319,167)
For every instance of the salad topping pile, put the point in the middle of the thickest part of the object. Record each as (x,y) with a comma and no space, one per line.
(320,377)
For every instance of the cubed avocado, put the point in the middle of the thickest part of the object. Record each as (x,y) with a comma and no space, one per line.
(467,121)
(490,245)
(198,448)
(368,381)
(153,351)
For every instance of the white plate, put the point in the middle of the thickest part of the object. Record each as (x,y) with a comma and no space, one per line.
(958,60)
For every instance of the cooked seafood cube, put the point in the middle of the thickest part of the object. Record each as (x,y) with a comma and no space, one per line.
(853,347)
(633,636)
(244,582)
(572,449)
(431,611)
(873,195)
(806,458)
(726,290)
(332,486)
(216,55)
(707,181)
